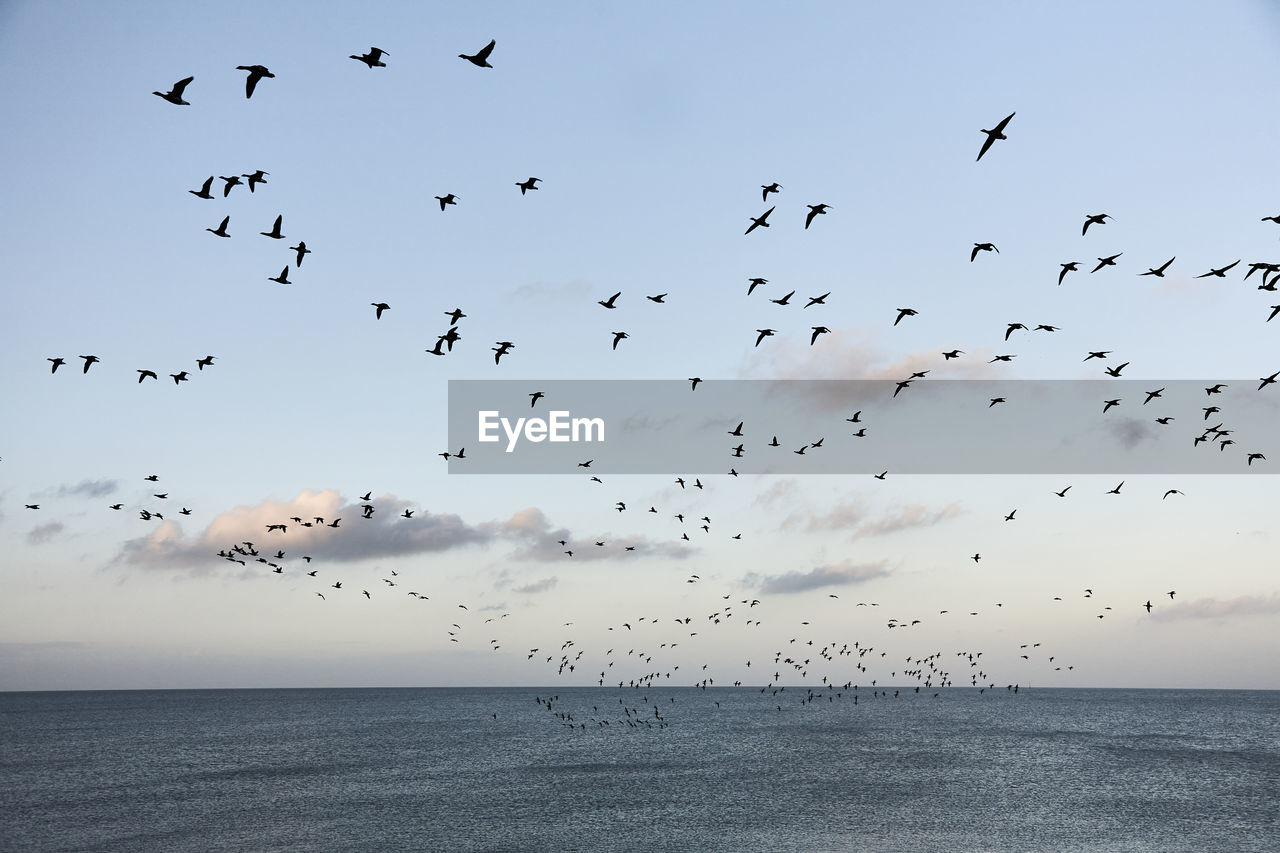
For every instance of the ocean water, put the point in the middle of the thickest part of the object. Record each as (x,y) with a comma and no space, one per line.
(433,769)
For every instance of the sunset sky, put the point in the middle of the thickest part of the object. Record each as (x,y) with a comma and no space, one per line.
(652,129)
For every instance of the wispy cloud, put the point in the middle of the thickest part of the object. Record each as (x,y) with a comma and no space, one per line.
(855,517)
(538,586)
(1213,608)
(843,573)
(89,489)
(43,533)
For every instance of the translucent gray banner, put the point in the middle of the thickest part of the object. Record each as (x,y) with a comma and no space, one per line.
(862,427)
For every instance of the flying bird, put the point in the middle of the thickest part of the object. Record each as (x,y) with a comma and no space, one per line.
(758,222)
(88,360)
(255,178)
(446,199)
(221,230)
(379,307)
(283,278)
(814,210)
(764,333)
(526,185)
(256,73)
(373,58)
(274,233)
(982,247)
(1066,268)
(481,57)
(1220,272)
(995,133)
(618,336)
(1158,272)
(1107,262)
(174,95)
(302,251)
(609,303)
(904,312)
(768,188)
(203,192)
(1094,219)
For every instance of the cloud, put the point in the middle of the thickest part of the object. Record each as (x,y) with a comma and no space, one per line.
(1130,432)
(386,534)
(843,573)
(1212,608)
(89,489)
(538,586)
(853,516)
(779,490)
(540,541)
(44,532)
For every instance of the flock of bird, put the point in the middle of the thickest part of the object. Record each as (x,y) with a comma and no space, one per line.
(645,652)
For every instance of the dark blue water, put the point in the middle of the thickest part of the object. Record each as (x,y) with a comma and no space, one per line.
(431,769)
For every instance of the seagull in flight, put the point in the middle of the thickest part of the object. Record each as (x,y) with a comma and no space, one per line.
(995,133)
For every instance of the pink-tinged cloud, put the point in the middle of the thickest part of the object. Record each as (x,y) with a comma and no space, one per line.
(854,517)
(1213,608)
(386,533)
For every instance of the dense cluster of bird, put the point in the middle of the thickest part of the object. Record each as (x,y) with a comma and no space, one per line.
(823,668)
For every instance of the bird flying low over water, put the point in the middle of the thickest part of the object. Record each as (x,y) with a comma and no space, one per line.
(256,73)
(174,95)
(995,133)
(373,58)
(481,57)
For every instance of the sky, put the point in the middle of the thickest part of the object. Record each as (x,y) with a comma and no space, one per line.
(652,129)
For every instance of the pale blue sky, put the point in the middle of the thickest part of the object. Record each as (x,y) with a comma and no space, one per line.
(652,128)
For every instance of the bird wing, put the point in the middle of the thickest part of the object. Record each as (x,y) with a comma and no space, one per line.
(484,52)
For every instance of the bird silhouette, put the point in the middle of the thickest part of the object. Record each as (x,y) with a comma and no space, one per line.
(283,278)
(256,73)
(758,222)
(994,133)
(221,230)
(528,184)
(372,58)
(1093,219)
(481,57)
(274,233)
(814,210)
(174,95)
(379,307)
(203,192)
(446,200)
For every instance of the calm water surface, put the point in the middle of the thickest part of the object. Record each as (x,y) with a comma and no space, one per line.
(432,769)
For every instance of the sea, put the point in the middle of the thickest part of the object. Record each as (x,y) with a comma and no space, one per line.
(675,769)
